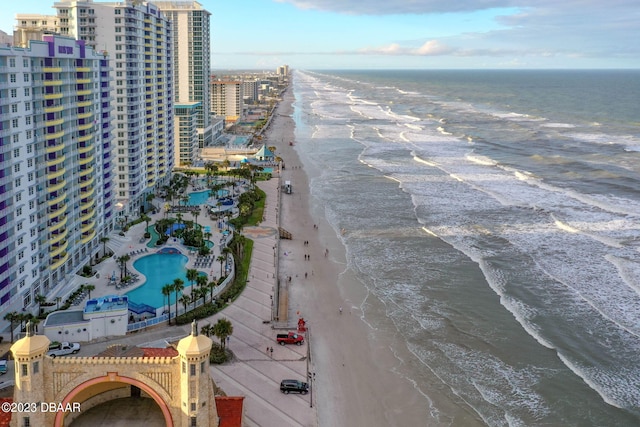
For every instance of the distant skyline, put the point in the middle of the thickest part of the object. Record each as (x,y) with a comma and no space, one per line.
(412,34)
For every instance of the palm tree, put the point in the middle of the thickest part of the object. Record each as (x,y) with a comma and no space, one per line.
(89,288)
(123,265)
(178,286)
(192,275)
(185,300)
(201,281)
(222,329)
(12,318)
(104,241)
(40,299)
(195,214)
(166,291)
(207,330)
(212,286)
(149,198)
(146,219)
(221,259)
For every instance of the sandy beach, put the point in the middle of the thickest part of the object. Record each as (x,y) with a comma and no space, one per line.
(355,383)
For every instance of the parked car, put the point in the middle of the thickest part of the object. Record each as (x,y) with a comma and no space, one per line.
(3,367)
(290,338)
(294,386)
(63,349)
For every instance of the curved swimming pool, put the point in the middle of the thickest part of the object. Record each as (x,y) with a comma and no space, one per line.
(160,269)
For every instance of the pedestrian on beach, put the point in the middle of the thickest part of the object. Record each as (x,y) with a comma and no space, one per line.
(305,274)
(271,350)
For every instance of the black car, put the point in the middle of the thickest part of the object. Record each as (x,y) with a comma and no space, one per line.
(293,386)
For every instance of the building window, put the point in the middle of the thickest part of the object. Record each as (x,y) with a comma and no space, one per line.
(184,367)
(25,369)
(202,367)
(194,422)
(26,422)
(12,78)
(14,108)
(193,406)
(192,368)
(36,367)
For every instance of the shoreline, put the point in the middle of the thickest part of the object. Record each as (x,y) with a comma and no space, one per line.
(343,357)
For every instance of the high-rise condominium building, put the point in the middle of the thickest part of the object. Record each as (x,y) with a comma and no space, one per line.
(191,53)
(137,37)
(56,166)
(33,27)
(227,99)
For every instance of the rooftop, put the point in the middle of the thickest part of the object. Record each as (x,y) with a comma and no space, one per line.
(107,303)
(64,317)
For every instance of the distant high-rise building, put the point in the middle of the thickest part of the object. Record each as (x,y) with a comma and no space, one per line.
(227,99)
(137,36)
(250,90)
(191,54)
(282,72)
(56,166)
(33,27)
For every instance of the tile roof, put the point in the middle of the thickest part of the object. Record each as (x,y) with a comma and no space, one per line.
(230,410)
(5,417)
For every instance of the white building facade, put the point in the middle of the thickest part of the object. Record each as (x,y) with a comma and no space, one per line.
(56,166)
(192,59)
(137,37)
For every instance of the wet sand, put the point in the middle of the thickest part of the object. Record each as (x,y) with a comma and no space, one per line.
(356,376)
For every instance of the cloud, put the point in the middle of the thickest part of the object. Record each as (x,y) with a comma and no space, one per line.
(429,48)
(398,7)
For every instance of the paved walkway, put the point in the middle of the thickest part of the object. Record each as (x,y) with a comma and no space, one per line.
(255,373)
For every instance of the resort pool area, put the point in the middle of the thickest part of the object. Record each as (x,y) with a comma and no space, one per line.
(160,269)
(200,197)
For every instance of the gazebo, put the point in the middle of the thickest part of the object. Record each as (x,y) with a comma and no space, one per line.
(264,154)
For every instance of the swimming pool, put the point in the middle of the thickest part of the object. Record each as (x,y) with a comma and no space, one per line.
(160,269)
(200,197)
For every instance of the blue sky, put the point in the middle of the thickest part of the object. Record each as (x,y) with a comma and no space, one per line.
(419,34)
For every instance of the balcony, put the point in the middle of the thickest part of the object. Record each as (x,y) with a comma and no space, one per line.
(52,82)
(83,69)
(83,81)
(84,103)
(52,69)
(57,187)
(57,250)
(54,122)
(56,161)
(87,227)
(87,216)
(57,263)
(55,214)
(85,115)
(87,193)
(88,237)
(86,160)
(85,138)
(57,200)
(57,225)
(54,109)
(54,135)
(55,238)
(84,172)
(88,205)
(85,126)
(54,148)
(84,150)
(56,174)
(81,92)
(84,184)
(49,96)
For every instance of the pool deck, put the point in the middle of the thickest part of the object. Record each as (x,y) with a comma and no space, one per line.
(254,373)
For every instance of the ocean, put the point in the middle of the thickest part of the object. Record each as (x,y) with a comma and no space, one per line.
(495,215)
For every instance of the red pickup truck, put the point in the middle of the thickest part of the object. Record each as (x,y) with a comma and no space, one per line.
(290,338)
